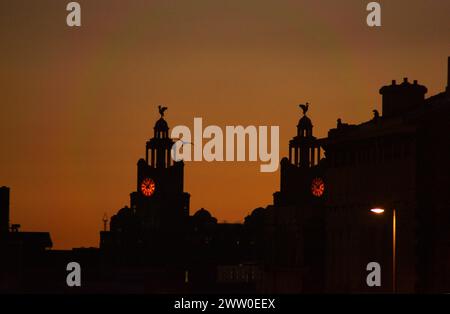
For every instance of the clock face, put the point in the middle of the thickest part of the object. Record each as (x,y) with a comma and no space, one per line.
(148,187)
(317,187)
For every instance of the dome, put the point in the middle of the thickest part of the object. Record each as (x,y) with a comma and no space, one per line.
(203,216)
(258,212)
(305,123)
(123,211)
(161,125)
(257,216)
(202,213)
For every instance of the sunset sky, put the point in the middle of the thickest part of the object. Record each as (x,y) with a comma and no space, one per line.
(78,104)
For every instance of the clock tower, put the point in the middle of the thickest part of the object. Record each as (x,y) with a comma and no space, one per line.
(160,198)
(158,214)
(297,217)
(301,175)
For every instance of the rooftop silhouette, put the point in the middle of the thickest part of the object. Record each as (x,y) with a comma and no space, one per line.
(317,236)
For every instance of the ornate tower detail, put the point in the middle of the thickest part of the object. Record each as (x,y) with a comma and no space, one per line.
(304,150)
(160,145)
(158,213)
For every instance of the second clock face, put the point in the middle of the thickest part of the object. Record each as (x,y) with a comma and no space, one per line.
(148,187)
(317,187)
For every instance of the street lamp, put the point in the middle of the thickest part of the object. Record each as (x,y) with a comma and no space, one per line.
(379,211)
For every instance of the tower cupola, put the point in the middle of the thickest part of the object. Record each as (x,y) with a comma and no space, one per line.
(160,145)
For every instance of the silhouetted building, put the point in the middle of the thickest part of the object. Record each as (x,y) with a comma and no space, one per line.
(319,234)
(296,220)
(320,229)
(28,241)
(4,210)
(396,162)
(22,253)
(156,229)
(153,227)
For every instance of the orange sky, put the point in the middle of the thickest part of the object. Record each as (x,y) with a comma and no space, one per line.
(77,105)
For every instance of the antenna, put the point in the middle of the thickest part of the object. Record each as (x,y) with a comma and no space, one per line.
(105,222)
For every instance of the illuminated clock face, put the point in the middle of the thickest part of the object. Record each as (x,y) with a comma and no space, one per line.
(148,187)
(317,187)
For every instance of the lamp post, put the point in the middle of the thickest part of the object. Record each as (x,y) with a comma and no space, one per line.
(380,211)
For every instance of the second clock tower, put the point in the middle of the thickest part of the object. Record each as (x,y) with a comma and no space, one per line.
(301,175)
(160,199)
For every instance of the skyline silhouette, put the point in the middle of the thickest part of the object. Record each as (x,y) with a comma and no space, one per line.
(85,100)
(359,196)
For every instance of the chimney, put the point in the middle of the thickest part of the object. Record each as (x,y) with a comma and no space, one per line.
(4,210)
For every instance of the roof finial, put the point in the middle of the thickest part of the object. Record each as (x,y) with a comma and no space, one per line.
(161,110)
(304,107)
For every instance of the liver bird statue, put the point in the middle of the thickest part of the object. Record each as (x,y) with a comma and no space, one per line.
(304,107)
(161,110)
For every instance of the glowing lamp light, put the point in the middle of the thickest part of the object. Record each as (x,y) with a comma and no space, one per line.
(377,210)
